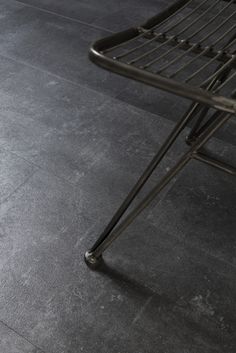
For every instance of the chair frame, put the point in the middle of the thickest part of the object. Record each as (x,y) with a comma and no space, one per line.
(206,121)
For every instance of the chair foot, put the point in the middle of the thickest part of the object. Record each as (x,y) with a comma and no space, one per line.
(92,261)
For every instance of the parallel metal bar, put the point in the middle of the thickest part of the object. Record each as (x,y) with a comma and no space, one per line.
(203,67)
(205,126)
(172,37)
(225,167)
(191,36)
(195,45)
(225,82)
(163,32)
(193,133)
(225,66)
(204,52)
(143,34)
(196,130)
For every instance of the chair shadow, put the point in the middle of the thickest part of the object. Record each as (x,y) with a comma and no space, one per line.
(161,303)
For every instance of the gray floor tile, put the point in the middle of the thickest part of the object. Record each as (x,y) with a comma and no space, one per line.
(200,208)
(49,296)
(90,10)
(11,342)
(127,17)
(59,305)
(54,44)
(60,46)
(69,154)
(59,127)
(13,173)
(38,96)
(78,10)
(167,105)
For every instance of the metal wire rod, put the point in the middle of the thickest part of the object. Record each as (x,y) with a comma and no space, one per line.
(211,61)
(172,37)
(204,52)
(225,167)
(225,82)
(185,41)
(220,119)
(203,67)
(163,32)
(226,65)
(149,31)
(189,115)
(186,63)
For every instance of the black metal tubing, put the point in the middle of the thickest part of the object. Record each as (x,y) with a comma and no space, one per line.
(225,167)
(203,98)
(214,84)
(113,230)
(101,52)
(149,170)
(186,91)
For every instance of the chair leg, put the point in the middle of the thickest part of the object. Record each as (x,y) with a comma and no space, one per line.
(93,257)
(93,261)
(199,124)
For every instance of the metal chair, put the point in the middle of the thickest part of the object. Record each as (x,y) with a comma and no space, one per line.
(189,50)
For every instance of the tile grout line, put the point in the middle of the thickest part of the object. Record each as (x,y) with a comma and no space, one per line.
(38,166)
(18,187)
(22,62)
(63,16)
(68,80)
(77,84)
(89,88)
(81,85)
(20,335)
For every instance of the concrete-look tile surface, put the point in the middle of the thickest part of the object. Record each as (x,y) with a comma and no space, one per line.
(14,172)
(90,11)
(201,209)
(151,284)
(54,44)
(11,342)
(73,140)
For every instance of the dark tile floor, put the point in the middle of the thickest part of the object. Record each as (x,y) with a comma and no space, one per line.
(73,139)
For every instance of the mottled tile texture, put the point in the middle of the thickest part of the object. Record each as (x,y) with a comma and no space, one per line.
(73,140)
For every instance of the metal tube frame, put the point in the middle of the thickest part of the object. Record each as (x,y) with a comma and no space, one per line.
(93,257)
(203,129)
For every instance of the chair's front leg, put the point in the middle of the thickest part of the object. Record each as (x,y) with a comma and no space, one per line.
(93,257)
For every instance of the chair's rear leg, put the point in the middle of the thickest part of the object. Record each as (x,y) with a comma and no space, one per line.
(192,136)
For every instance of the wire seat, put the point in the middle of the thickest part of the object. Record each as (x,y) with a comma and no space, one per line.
(181,51)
